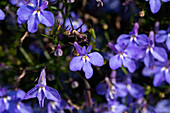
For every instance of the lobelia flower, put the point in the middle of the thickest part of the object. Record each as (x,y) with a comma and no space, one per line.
(124,56)
(58,51)
(162,36)
(150,52)
(2,15)
(155,5)
(85,60)
(34,14)
(76,21)
(19,3)
(162,73)
(4,100)
(133,38)
(16,106)
(41,91)
(116,107)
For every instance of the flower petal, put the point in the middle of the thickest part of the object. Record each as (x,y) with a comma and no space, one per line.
(115,62)
(155,5)
(88,70)
(31,93)
(88,49)
(25,12)
(96,59)
(159,53)
(167,77)
(135,90)
(158,79)
(161,36)
(121,89)
(168,43)
(32,24)
(46,18)
(130,64)
(2,15)
(124,38)
(142,40)
(52,94)
(148,60)
(76,63)
(41,97)
(133,52)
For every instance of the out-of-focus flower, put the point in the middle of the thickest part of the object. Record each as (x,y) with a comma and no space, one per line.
(124,56)
(85,60)
(155,5)
(16,106)
(2,15)
(162,36)
(19,3)
(34,14)
(76,22)
(41,91)
(58,51)
(162,74)
(70,1)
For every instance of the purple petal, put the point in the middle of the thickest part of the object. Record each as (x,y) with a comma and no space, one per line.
(76,63)
(88,49)
(161,36)
(88,70)
(135,90)
(101,88)
(115,62)
(155,5)
(130,64)
(133,52)
(33,23)
(148,60)
(96,59)
(78,48)
(84,50)
(31,93)
(52,94)
(25,12)
(168,43)
(2,15)
(159,53)
(42,78)
(46,18)
(124,38)
(158,78)
(41,97)
(142,40)
(167,77)
(121,90)
(44,5)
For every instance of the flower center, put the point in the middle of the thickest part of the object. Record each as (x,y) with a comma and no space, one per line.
(133,37)
(165,69)
(85,59)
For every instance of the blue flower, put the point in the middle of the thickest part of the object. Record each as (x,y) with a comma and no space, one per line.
(19,3)
(85,60)
(133,38)
(2,15)
(151,52)
(34,14)
(41,91)
(16,106)
(124,56)
(162,74)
